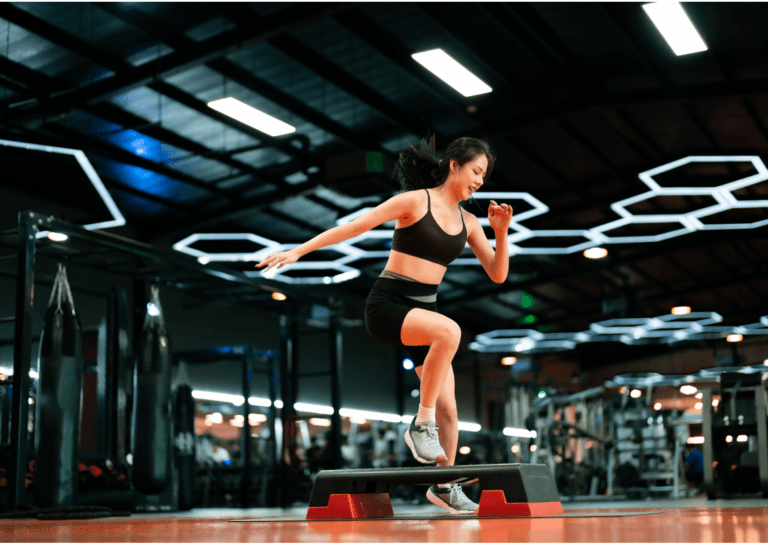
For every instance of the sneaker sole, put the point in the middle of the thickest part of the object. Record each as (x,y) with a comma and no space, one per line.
(409,442)
(435,499)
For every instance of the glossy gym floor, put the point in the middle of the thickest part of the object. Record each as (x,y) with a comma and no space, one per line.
(688,521)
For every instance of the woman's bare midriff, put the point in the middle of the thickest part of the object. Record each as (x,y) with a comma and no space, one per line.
(419,269)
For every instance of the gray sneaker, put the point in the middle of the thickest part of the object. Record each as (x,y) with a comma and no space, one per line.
(424,443)
(452,499)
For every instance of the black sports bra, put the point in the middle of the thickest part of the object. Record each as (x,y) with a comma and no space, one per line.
(425,239)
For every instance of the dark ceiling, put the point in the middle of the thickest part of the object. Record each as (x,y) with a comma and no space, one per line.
(585,97)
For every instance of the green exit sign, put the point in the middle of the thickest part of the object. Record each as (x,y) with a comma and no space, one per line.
(374,161)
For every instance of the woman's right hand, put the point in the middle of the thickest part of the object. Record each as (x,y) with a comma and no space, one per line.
(279,259)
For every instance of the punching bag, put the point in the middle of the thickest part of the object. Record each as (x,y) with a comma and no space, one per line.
(184,438)
(59,400)
(151,433)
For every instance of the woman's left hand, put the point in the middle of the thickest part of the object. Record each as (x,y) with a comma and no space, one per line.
(499,216)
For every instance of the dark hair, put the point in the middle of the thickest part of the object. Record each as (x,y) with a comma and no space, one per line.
(418,168)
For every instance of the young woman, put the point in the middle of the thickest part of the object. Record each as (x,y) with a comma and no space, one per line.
(401,309)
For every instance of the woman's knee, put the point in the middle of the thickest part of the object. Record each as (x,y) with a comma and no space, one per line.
(449,332)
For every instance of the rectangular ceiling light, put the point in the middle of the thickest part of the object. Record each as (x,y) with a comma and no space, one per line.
(251,116)
(451,72)
(676,27)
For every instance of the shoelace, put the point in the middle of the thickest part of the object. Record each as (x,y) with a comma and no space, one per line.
(455,490)
(432,439)
(453,495)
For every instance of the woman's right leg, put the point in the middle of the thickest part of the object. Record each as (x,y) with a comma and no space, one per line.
(426,328)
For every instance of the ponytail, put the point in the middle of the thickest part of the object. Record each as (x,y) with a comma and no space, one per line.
(418,168)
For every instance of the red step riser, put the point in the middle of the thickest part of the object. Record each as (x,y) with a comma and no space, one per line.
(353,506)
(493,503)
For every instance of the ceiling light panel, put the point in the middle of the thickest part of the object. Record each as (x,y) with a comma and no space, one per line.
(451,72)
(675,26)
(251,116)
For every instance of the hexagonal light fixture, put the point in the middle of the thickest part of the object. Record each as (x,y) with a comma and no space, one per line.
(185,246)
(596,236)
(117,217)
(630,331)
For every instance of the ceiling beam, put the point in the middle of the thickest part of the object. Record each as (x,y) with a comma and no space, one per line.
(67,137)
(120,66)
(244,206)
(504,18)
(626,25)
(475,51)
(334,74)
(546,166)
(630,179)
(114,114)
(263,28)
(250,81)
(735,270)
(510,125)
(388,45)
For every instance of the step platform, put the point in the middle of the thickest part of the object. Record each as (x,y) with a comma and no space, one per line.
(507,490)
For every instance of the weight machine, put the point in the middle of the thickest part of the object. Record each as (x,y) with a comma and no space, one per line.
(573,436)
(735,438)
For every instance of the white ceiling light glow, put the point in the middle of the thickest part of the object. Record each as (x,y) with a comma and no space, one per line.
(451,72)
(595,253)
(678,30)
(251,116)
(519,432)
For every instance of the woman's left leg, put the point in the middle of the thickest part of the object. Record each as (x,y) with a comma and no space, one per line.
(448,496)
(446,417)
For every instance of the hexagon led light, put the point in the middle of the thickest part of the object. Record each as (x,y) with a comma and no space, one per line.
(117,218)
(631,331)
(680,224)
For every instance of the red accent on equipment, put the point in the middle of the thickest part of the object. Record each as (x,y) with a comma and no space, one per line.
(353,506)
(493,503)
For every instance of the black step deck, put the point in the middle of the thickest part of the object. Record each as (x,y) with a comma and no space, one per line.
(521,483)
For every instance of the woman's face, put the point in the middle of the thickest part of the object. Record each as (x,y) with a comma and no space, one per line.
(470,176)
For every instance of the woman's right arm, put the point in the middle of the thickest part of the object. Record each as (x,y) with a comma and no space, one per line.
(393,208)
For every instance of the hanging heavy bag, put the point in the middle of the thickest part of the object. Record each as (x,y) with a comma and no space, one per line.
(184,438)
(59,400)
(151,433)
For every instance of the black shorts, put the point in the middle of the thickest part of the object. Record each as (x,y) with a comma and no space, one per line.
(385,311)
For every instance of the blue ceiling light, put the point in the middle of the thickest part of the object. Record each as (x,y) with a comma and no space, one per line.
(407,364)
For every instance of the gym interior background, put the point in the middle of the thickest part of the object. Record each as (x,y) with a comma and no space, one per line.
(604,137)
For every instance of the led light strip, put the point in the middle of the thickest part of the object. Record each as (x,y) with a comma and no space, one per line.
(631,331)
(685,223)
(117,218)
(319,409)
